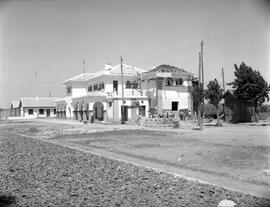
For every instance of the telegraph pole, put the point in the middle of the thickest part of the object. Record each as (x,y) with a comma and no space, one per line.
(223,80)
(83,67)
(122,107)
(202,74)
(200,78)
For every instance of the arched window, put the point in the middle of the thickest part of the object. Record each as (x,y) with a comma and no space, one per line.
(128,84)
(169,82)
(135,84)
(179,81)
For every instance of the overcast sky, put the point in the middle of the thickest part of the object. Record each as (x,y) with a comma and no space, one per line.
(53,37)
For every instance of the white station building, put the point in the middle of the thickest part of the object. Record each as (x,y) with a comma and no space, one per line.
(164,89)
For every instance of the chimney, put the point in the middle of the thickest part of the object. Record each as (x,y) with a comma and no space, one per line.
(108,66)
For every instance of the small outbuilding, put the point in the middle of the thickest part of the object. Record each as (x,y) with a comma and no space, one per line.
(237,110)
(33,108)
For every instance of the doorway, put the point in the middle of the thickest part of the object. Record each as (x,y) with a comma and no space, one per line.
(48,112)
(142,110)
(98,109)
(125,112)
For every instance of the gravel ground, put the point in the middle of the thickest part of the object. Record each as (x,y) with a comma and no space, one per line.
(36,173)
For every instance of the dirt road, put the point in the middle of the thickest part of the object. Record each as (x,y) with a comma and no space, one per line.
(234,156)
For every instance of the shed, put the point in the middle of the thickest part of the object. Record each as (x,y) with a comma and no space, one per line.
(236,109)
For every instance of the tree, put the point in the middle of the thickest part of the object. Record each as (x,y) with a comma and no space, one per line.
(198,96)
(214,94)
(250,86)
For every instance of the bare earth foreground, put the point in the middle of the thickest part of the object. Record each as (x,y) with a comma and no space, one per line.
(49,164)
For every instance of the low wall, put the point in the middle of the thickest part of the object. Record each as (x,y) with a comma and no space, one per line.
(159,122)
(20,117)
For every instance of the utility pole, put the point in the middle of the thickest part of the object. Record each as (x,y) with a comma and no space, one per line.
(223,80)
(202,74)
(200,78)
(122,107)
(83,67)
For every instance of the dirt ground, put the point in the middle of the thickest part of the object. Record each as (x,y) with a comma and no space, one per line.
(233,156)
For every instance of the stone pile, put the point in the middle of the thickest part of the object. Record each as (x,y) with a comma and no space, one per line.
(37,173)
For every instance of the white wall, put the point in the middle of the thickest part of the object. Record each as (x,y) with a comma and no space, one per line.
(77,92)
(110,111)
(172,96)
(36,113)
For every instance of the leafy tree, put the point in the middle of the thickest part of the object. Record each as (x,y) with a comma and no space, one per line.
(214,94)
(198,96)
(250,86)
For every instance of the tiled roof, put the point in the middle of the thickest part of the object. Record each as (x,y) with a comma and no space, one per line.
(168,68)
(80,77)
(114,70)
(38,102)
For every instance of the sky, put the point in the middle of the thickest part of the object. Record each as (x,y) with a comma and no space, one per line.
(44,42)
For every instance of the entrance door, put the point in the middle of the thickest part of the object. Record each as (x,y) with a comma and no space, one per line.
(48,112)
(142,110)
(98,108)
(125,112)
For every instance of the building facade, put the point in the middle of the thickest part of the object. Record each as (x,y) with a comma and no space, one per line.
(33,108)
(168,89)
(99,95)
(164,89)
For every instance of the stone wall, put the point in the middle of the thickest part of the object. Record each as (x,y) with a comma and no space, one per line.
(159,122)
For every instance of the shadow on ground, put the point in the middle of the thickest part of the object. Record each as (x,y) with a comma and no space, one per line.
(6,201)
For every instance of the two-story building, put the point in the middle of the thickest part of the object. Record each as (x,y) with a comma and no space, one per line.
(168,89)
(100,95)
(162,90)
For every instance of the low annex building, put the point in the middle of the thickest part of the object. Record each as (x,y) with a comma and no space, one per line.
(164,89)
(33,108)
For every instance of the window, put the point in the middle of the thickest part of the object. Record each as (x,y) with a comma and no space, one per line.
(68,90)
(179,81)
(41,111)
(30,111)
(110,104)
(175,106)
(90,88)
(102,85)
(54,111)
(115,86)
(135,84)
(128,84)
(169,82)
